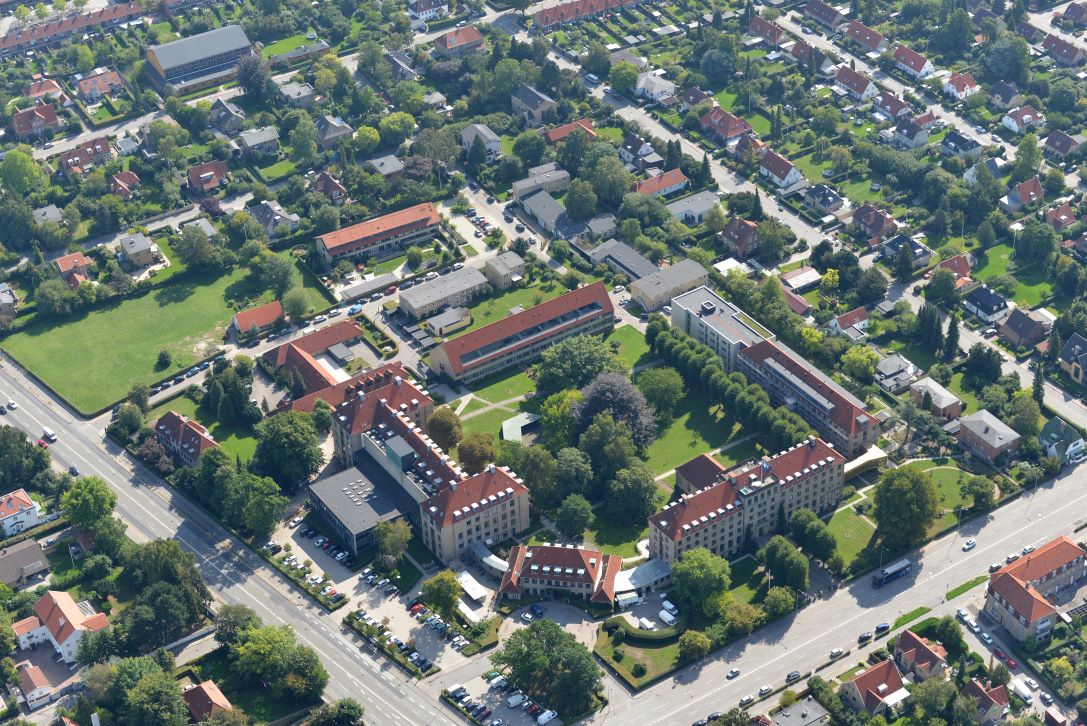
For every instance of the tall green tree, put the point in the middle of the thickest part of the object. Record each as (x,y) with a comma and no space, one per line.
(442,592)
(288,449)
(699,578)
(88,501)
(552,667)
(906,506)
(573,363)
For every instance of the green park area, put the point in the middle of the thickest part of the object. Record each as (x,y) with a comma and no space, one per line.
(632,348)
(852,532)
(237,440)
(284,45)
(947,477)
(694,430)
(1034,284)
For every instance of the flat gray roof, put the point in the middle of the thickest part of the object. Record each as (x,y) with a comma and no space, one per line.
(354,500)
(672,277)
(446,286)
(368,287)
(731,323)
(197,47)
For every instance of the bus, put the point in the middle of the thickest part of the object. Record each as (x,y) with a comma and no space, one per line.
(892,572)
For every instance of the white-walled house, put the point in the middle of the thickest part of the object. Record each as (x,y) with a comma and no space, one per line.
(18,512)
(59,621)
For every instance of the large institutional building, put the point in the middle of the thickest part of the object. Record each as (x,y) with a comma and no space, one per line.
(728,506)
(199,61)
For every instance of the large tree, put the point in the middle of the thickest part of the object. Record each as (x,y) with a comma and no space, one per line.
(574,516)
(393,538)
(699,578)
(20,459)
(906,506)
(445,428)
(630,495)
(255,77)
(785,563)
(19,173)
(442,592)
(573,475)
(345,712)
(88,501)
(573,363)
(233,620)
(155,700)
(608,445)
(557,418)
(551,665)
(662,387)
(613,393)
(475,451)
(288,449)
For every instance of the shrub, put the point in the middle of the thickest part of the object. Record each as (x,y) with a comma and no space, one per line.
(617,655)
(638,670)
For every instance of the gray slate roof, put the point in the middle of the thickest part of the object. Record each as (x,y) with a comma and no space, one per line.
(532,98)
(187,50)
(253,137)
(624,256)
(24,559)
(988,428)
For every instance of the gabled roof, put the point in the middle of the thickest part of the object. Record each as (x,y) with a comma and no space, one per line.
(693,96)
(261,316)
(67,25)
(855,82)
(724,123)
(42,87)
(1024,116)
(919,650)
(961,82)
(1061,143)
(458,38)
(986,299)
(661,182)
(32,679)
(60,615)
(1061,50)
(559,133)
(185,433)
(701,471)
(15,502)
(959,265)
(451,501)
(1074,350)
(776,164)
(910,58)
(205,699)
(208,175)
(769,31)
(531,97)
(420,215)
(43,113)
(1060,217)
(909,129)
(874,220)
(1029,191)
(865,36)
(822,12)
(890,104)
(72,261)
(986,695)
(103,83)
(853,317)
(178,53)
(1003,91)
(878,682)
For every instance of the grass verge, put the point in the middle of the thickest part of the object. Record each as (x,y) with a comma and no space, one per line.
(966,586)
(912,615)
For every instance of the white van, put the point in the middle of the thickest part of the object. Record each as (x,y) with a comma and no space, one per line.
(546,717)
(515,700)
(646,624)
(48,432)
(1023,691)
(667,617)
(667,605)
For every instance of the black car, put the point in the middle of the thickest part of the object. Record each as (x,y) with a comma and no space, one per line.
(882,628)
(73,471)
(864,637)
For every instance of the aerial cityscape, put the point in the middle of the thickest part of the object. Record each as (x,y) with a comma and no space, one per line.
(500,362)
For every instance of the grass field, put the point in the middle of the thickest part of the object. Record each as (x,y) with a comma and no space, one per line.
(1033,283)
(284,45)
(92,359)
(616,539)
(633,350)
(488,423)
(695,430)
(279,170)
(968,397)
(945,475)
(747,581)
(738,453)
(852,532)
(500,388)
(493,309)
(236,440)
(658,658)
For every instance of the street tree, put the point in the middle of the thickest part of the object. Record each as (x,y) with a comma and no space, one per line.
(87,501)
(233,620)
(19,173)
(623,75)
(785,563)
(906,505)
(779,601)
(345,712)
(693,645)
(551,665)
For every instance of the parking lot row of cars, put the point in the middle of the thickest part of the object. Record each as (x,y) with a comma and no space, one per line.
(515,700)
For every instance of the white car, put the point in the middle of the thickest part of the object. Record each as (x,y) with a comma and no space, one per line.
(969,545)
(732,673)
(746,700)
(986,638)
(1033,684)
(293,524)
(12,405)
(527,617)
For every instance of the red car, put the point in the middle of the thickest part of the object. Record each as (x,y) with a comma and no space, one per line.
(999,653)
(416,608)
(1011,662)
(43,443)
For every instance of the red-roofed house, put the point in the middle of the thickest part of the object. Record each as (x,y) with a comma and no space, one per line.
(521,338)
(960,266)
(43,87)
(301,354)
(85,157)
(991,700)
(76,262)
(208,177)
(912,63)
(260,318)
(559,133)
(1060,217)
(381,236)
(797,303)
(35,686)
(723,126)
(779,170)
(876,690)
(854,324)
(492,505)
(1062,145)
(183,438)
(458,43)
(94,86)
(662,185)
(542,570)
(692,97)
(331,187)
(1022,194)
(869,39)
(960,86)
(1021,119)
(44,35)
(720,507)
(1017,592)
(1075,13)
(771,32)
(123,183)
(31,123)
(18,512)
(741,236)
(59,621)
(874,223)
(859,86)
(820,12)
(890,105)
(205,699)
(576,10)
(1063,52)
(917,655)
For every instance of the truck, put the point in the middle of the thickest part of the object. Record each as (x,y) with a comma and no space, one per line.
(892,572)
(1023,691)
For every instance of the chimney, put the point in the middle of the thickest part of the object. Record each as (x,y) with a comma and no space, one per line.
(490,468)
(398,380)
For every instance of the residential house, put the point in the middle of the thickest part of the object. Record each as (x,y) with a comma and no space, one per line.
(724,126)
(136,250)
(895,372)
(912,63)
(198,61)
(74,266)
(1017,592)
(43,88)
(867,38)
(207,177)
(504,270)
(9,302)
(987,436)
(991,700)
(801,278)
(804,55)
(18,512)
(960,266)
(1061,440)
(986,303)
(548,177)
(535,107)
(919,253)
(1072,358)
(692,97)
(1004,94)
(98,84)
(123,183)
(298,55)
(823,198)
(661,185)
(205,699)
(852,324)
(926,120)
(878,689)
(692,210)
(960,146)
(273,217)
(60,622)
(918,656)
(779,170)
(380,237)
(34,685)
(890,105)
(749,144)
(824,14)
(183,438)
(264,140)
(1021,119)
(873,222)
(328,185)
(545,210)
(297,95)
(388,166)
(909,134)
(492,142)
(32,123)
(556,134)
(1062,52)
(654,291)
(859,86)
(654,86)
(85,157)
(1060,217)
(627,55)
(48,213)
(1062,145)
(401,65)
(258,319)
(741,237)
(772,33)
(458,43)
(1075,13)
(992,165)
(1022,194)
(960,86)
(942,403)
(633,148)
(1031,33)
(424,10)
(332,131)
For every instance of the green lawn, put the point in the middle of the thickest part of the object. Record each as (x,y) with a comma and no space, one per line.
(389,265)
(912,615)
(503,387)
(966,586)
(496,307)
(945,475)
(489,422)
(759,124)
(739,453)
(284,45)
(812,169)
(279,170)
(968,397)
(616,539)
(913,352)
(852,533)
(658,658)
(474,405)
(694,431)
(260,704)
(237,440)
(748,581)
(726,99)
(611,133)
(633,350)
(1033,283)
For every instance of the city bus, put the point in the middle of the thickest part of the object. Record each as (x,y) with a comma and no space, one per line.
(892,572)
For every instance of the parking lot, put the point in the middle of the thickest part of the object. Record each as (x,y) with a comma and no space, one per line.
(393,613)
(497,699)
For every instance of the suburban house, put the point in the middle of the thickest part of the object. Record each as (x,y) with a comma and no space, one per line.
(1021,119)
(382,236)
(1062,145)
(198,61)
(920,255)
(1024,328)
(548,177)
(423,10)
(960,146)
(297,95)
(779,170)
(32,123)
(1073,358)
(1062,52)
(633,148)
(401,65)
(99,83)
(536,107)
(257,319)
(859,86)
(867,38)
(458,43)
(226,117)
(960,266)
(1022,194)
(74,268)
(873,222)
(661,185)
(492,142)
(852,324)
(123,183)
(895,372)
(942,403)
(331,187)
(1059,439)
(272,216)
(692,97)
(726,127)
(741,236)
(986,303)
(654,86)
(34,685)
(960,86)
(1075,13)
(59,621)
(1017,592)
(264,140)
(18,512)
(85,157)
(204,699)
(654,291)
(918,656)
(43,88)
(991,165)
(912,63)
(9,302)
(890,105)
(823,198)
(207,177)
(183,438)
(555,134)
(824,14)
(1004,94)
(772,33)
(22,561)
(805,55)
(987,436)
(909,134)
(543,570)
(137,250)
(332,130)
(693,209)
(991,700)
(879,689)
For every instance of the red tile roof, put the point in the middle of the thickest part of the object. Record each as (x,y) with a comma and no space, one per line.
(524,322)
(1060,217)
(959,264)
(123,182)
(15,502)
(56,29)
(44,114)
(853,317)
(822,12)
(874,221)
(910,58)
(1029,191)
(776,164)
(742,235)
(567,12)
(329,186)
(185,433)
(85,156)
(205,699)
(452,503)
(565,564)
(73,261)
(62,617)
(661,183)
(101,82)
(726,125)
(890,104)
(371,231)
(961,82)
(769,31)
(860,33)
(260,317)
(375,380)
(559,133)
(33,678)
(301,354)
(1024,116)
(986,696)
(1061,50)
(43,87)
(797,303)
(26,625)
(919,651)
(854,82)
(1014,582)
(880,680)
(208,176)
(458,38)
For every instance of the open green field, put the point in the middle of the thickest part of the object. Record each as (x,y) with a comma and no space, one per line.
(945,475)
(852,532)
(279,170)
(611,133)
(93,358)
(489,422)
(284,45)
(726,99)
(657,657)
(1033,283)
(238,440)
(968,397)
(738,454)
(695,430)
(633,350)
(496,307)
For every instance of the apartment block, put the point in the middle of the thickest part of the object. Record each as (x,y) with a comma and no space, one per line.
(381,236)
(711,320)
(544,570)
